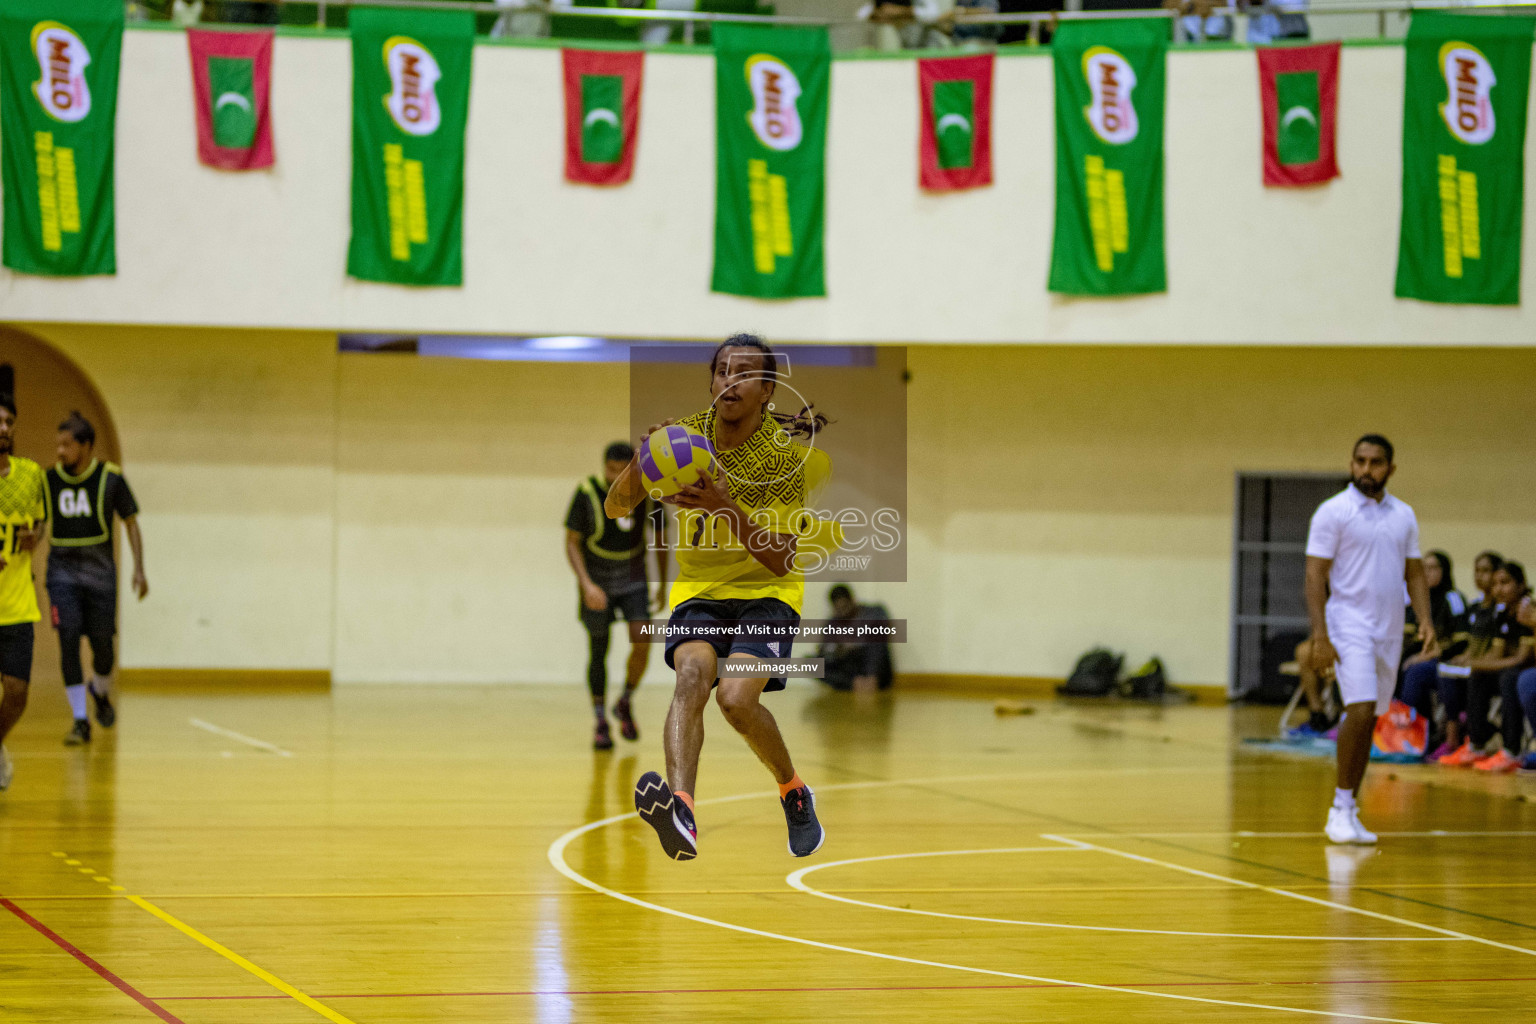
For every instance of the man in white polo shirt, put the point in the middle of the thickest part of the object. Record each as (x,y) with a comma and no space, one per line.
(1362,546)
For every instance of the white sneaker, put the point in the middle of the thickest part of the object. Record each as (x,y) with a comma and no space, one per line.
(1361,835)
(1341,825)
(5,769)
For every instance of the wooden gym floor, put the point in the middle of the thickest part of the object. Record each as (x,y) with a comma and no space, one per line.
(392,854)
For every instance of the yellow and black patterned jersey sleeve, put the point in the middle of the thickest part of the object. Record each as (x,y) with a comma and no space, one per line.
(23,496)
(22,507)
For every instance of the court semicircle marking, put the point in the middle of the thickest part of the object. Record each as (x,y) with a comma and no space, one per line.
(556,855)
(795,880)
(1240,883)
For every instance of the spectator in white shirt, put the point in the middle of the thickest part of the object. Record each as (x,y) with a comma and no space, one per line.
(1362,546)
(909,24)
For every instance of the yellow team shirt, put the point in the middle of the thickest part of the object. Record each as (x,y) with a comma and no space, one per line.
(769,474)
(22,497)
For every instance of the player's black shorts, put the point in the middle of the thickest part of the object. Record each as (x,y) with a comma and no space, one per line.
(83,610)
(632,602)
(774,644)
(16,651)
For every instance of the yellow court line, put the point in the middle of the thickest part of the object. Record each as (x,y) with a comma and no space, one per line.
(235,958)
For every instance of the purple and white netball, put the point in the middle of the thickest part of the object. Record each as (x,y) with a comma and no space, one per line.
(672,458)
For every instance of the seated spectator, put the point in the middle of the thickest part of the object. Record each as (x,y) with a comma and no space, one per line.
(186,12)
(529,19)
(654,33)
(1318,722)
(908,24)
(1475,640)
(1483,568)
(1278,19)
(971,35)
(1197,23)
(248,12)
(1027,32)
(1518,657)
(1473,635)
(1420,667)
(1525,682)
(522,19)
(1496,643)
(861,666)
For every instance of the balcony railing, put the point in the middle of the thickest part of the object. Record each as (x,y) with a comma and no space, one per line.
(561,19)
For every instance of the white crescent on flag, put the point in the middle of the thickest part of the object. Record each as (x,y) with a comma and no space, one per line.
(601,114)
(1297,113)
(226,98)
(952,121)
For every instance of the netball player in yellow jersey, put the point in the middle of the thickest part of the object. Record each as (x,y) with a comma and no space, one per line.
(739,534)
(21,516)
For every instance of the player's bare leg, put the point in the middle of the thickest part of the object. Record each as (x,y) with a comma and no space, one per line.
(740,701)
(13,701)
(1354,746)
(1354,754)
(667,804)
(683,737)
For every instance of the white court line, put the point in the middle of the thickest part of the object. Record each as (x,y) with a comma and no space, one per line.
(1293,895)
(795,879)
(250,741)
(556,856)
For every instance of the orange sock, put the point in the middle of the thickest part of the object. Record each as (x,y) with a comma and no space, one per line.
(792,784)
(685,798)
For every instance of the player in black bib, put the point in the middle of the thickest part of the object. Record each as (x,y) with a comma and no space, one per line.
(608,558)
(85,495)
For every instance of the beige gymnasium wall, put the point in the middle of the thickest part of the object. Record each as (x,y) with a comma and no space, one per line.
(204,247)
(228,439)
(393,518)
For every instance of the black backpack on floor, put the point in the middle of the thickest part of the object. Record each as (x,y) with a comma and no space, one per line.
(1149,682)
(1094,675)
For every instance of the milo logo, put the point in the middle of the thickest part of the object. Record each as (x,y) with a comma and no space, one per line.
(1469,82)
(775,119)
(61,57)
(413,77)
(1112,115)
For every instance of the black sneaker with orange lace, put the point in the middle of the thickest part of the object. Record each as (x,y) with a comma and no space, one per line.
(805,833)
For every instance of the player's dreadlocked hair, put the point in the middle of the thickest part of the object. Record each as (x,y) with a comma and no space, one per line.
(805,423)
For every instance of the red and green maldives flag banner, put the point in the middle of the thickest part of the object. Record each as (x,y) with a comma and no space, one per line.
(231,87)
(1110,79)
(602,114)
(1464,109)
(955,143)
(771,87)
(1299,94)
(410,103)
(58,110)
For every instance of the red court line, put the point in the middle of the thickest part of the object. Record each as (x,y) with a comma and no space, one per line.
(74,951)
(857,988)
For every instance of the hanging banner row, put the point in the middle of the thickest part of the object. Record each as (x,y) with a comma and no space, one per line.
(1464,115)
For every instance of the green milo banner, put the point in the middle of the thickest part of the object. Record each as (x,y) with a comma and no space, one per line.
(771,89)
(410,102)
(1464,107)
(1110,78)
(58,114)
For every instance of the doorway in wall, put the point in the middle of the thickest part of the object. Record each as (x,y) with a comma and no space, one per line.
(47,386)
(1269,561)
